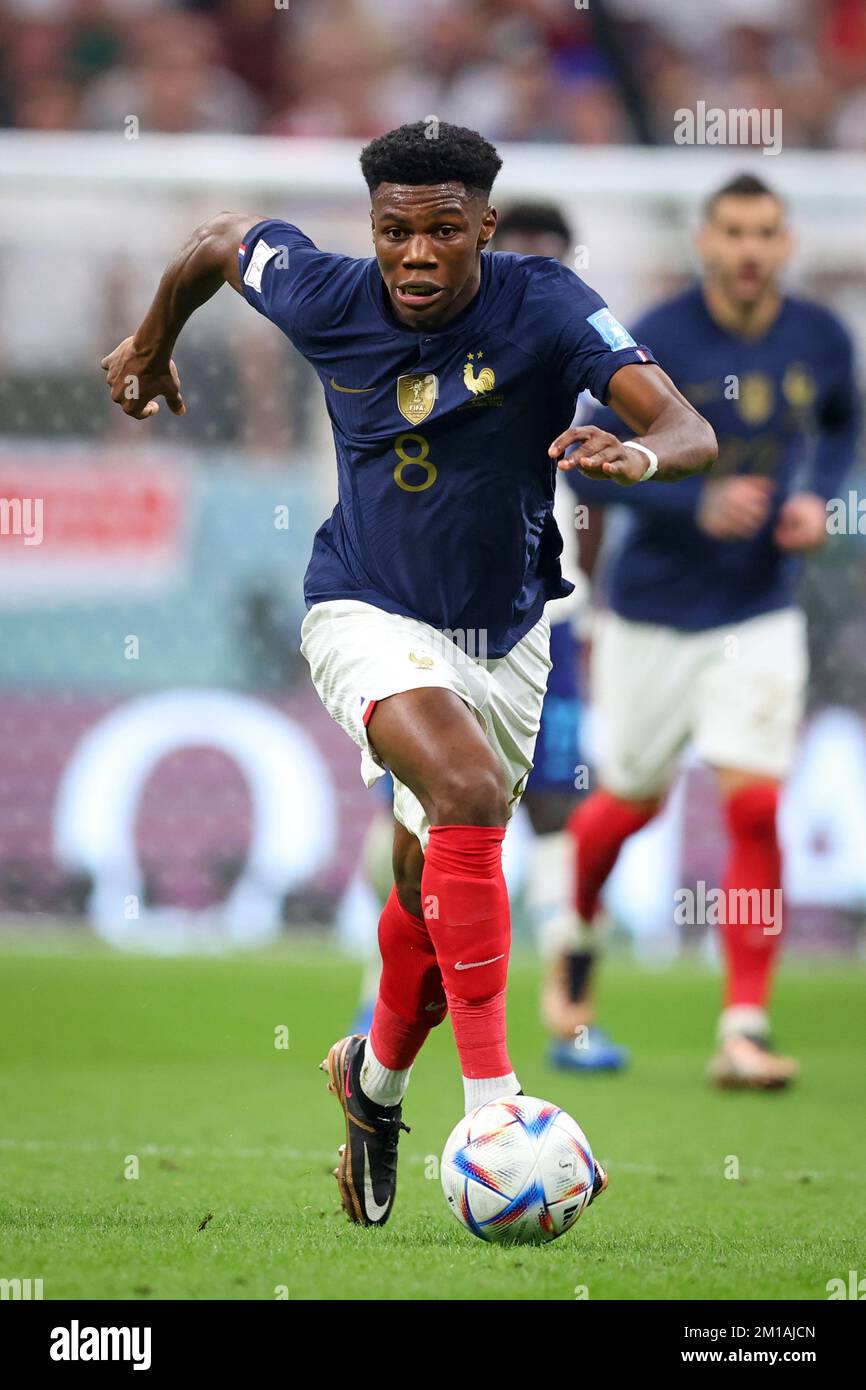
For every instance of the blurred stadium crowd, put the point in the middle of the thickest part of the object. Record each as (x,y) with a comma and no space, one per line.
(610,72)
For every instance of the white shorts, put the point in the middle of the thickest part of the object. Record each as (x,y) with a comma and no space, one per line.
(359,654)
(737,693)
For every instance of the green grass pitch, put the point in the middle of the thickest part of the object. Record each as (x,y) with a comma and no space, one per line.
(172,1062)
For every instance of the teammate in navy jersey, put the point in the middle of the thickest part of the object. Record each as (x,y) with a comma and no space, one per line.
(540,229)
(450,377)
(704,639)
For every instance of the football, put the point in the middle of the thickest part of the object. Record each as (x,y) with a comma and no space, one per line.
(517,1171)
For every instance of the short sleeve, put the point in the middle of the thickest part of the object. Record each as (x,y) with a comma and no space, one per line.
(594,345)
(282,271)
(585,344)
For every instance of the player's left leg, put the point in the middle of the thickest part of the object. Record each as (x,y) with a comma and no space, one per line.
(750,700)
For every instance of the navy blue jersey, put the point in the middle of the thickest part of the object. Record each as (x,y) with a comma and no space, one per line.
(784,406)
(441,435)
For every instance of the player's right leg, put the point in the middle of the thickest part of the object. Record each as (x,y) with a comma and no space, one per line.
(749,711)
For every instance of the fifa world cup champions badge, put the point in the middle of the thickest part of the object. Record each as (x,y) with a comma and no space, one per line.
(417,395)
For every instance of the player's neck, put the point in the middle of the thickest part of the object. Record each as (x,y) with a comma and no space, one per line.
(745,320)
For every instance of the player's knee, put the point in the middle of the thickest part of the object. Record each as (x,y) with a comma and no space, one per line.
(469,796)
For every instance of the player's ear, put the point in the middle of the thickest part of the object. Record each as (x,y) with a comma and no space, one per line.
(487,228)
(372,225)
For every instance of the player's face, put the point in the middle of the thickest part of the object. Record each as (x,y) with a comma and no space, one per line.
(744,245)
(428,240)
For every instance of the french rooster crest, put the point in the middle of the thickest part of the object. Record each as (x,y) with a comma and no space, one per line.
(482,383)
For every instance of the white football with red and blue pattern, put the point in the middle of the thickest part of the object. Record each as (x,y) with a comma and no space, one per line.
(517,1171)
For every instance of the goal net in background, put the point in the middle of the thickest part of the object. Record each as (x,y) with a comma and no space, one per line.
(166,768)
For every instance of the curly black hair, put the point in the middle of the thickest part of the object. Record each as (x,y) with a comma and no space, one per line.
(431,151)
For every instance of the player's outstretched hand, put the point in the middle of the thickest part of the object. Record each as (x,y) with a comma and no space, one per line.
(134,378)
(597,454)
(802,522)
(734,509)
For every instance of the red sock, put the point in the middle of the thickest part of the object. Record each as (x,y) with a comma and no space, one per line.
(754,862)
(410,988)
(465,905)
(600,825)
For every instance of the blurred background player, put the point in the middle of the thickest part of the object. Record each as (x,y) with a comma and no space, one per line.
(541,229)
(704,639)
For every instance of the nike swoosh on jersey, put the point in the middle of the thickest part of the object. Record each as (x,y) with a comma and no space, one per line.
(352,390)
(474,964)
(431,1008)
(373,1208)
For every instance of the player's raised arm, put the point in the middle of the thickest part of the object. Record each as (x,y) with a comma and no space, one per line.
(141,367)
(671,440)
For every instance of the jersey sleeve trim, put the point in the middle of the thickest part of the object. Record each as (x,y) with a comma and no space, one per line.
(607,367)
(262,244)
